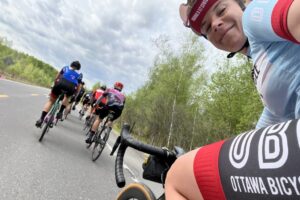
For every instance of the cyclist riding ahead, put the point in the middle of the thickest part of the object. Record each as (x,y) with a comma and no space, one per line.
(86,102)
(66,80)
(79,95)
(114,101)
(263,163)
(94,97)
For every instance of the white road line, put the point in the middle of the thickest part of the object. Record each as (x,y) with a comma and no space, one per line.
(132,175)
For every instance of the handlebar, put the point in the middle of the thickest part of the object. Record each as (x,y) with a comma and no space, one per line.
(126,140)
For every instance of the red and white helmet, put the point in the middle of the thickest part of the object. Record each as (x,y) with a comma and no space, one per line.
(118,86)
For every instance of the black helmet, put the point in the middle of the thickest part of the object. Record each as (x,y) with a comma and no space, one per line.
(103,87)
(76,65)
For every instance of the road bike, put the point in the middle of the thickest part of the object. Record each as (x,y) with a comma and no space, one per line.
(49,119)
(155,169)
(100,138)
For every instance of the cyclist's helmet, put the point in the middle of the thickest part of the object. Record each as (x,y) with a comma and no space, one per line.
(76,65)
(118,86)
(103,87)
(83,83)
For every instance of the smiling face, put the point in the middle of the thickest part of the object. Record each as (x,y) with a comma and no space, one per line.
(222,25)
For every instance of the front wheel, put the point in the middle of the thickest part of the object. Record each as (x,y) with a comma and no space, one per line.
(136,191)
(99,145)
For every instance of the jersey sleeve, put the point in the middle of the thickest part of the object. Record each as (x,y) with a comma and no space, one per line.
(63,70)
(266,20)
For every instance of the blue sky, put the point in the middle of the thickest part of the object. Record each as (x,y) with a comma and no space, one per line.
(113,39)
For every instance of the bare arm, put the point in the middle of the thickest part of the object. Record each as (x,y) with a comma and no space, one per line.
(294,19)
(181,183)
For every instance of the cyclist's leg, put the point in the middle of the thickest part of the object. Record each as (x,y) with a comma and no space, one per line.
(181,183)
(116,114)
(91,109)
(93,129)
(70,89)
(64,104)
(100,115)
(52,97)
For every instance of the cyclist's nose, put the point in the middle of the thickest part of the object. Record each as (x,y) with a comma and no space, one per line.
(216,24)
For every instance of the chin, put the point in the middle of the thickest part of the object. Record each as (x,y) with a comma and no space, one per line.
(236,44)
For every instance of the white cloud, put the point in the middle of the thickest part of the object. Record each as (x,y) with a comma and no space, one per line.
(111,38)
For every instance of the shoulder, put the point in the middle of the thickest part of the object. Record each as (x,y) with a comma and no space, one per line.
(260,19)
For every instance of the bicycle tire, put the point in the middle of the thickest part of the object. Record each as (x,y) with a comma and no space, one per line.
(136,191)
(97,152)
(45,129)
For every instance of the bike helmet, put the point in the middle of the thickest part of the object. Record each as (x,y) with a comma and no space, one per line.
(76,65)
(118,86)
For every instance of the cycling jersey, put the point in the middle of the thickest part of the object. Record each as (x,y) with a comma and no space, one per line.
(114,98)
(115,101)
(259,164)
(71,75)
(98,93)
(276,61)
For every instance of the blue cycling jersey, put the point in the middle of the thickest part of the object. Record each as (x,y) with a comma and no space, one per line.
(276,60)
(71,75)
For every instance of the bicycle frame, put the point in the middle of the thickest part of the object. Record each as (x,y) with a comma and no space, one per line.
(54,108)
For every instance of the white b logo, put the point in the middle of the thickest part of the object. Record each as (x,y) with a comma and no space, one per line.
(273,147)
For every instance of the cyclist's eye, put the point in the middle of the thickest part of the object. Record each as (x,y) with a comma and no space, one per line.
(221,10)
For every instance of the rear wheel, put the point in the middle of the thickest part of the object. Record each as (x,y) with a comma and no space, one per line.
(46,128)
(136,191)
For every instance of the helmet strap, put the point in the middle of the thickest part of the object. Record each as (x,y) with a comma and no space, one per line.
(230,55)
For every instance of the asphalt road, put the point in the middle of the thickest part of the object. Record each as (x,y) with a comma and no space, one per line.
(60,167)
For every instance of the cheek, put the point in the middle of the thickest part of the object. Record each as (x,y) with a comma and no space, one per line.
(233,42)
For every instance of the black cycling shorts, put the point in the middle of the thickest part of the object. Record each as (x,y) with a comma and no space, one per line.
(104,111)
(63,85)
